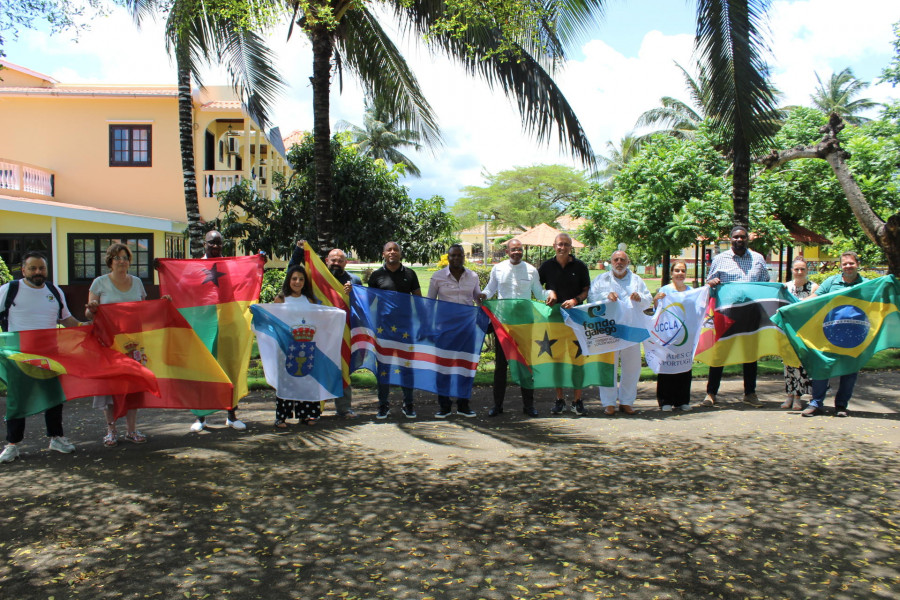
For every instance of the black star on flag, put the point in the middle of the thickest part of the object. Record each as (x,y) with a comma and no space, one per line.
(578,351)
(545,344)
(213,275)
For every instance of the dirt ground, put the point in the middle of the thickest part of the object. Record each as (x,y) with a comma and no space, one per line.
(725,502)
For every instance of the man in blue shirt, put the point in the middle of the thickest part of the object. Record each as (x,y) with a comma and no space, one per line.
(847,278)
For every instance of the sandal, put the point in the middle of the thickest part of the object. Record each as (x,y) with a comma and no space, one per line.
(136,436)
(110,439)
(280,424)
(311,421)
(788,403)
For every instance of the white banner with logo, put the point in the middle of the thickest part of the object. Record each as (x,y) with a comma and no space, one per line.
(675,330)
(607,326)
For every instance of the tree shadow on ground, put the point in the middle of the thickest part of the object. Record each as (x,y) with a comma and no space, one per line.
(526,509)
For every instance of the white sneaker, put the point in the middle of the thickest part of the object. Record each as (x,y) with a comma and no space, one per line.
(236,424)
(686,407)
(9,454)
(198,426)
(667,408)
(62,444)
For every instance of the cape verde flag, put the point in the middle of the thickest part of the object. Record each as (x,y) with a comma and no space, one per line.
(300,348)
(416,342)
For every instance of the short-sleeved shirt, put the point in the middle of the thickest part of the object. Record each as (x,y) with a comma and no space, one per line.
(568,281)
(108,293)
(402,280)
(729,267)
(444,286)
(836,282)
(34,308)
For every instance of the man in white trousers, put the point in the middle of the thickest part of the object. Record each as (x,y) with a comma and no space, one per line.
(616,285)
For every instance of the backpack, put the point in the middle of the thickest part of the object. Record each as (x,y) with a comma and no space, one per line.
(11,296)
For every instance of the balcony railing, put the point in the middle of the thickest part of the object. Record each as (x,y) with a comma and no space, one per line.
(213,182)
(22,179)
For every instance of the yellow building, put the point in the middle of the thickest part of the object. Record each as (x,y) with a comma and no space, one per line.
(82,166)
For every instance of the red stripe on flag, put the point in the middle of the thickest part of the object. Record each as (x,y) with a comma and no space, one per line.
(430,357)
(202,282)
(510,348)
(180,394)
(327,287)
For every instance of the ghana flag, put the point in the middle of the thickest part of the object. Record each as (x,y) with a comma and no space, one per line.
(45,367)
(214,295)
(331,292)
(837,333)
(154,334)
(738,327)
(542,350)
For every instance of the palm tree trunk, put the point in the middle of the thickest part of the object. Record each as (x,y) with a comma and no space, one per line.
(740,187)
(321,83)
(186,137)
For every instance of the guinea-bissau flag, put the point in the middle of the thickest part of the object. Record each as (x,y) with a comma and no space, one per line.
(43,368)
(837,333)
(154,334)
(331,292)
(738,327)
(214,295)
(542,350)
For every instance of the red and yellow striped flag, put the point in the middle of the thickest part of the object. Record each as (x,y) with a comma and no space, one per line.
(331,292)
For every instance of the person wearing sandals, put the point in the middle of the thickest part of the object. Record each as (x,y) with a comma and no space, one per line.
(796,381)
(673,390)
(116,286)
(296,289)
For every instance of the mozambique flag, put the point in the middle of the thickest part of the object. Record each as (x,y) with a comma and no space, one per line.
(214,295)
(738,327)
(45,367)
(542,350)
(331,292)
(154,334)
(837,333)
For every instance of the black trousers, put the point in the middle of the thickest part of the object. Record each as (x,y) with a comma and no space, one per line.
(15,428)
(715,378)
(501,365)
(673,388)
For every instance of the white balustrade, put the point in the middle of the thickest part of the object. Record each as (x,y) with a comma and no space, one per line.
(21,177)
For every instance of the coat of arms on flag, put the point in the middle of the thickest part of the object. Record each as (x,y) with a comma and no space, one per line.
(301,354)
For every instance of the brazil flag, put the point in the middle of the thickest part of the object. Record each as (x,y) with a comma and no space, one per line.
(837,333)
(542,350)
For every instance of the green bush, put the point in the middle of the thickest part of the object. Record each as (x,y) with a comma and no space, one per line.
(483,272)
(5,275)
(271,286)
(820,277)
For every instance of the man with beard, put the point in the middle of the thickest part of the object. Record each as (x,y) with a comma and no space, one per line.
(614,285)
(567,280)
(738,264)
(512,279)
(336,261)
(395,277)
(37,304)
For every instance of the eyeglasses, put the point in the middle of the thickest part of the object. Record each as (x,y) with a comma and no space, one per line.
(121,259)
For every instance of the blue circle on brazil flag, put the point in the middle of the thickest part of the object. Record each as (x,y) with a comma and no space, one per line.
(846,326)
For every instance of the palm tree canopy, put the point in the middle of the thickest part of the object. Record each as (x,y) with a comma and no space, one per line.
(381,136)
(837,96)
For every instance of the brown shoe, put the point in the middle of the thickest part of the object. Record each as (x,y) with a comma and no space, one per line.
(710,400)
(752,400)
(626,409)
(609,410)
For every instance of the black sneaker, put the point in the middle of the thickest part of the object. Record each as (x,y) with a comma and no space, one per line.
(408,411)
(383,412)
(578,408)
(466,412)
(530,411)
(558,407)
(496,411)
(442,414)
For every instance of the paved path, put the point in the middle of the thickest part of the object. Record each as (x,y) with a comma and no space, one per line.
(729,502)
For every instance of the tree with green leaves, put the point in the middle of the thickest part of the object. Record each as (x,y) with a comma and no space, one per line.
(675,117)
(522,197)
(381,136)
(225,32)
(617,156)
(372,207)
(839,95)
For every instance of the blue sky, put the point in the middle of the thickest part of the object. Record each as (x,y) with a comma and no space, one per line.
(621,71)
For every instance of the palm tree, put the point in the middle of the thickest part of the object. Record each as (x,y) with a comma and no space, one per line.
(348,33)
(837,96)
(740,103)
(617,157)
(380,137)
(675,117)
(195,35)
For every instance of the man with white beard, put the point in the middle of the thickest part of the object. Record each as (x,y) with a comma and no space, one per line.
(616,285)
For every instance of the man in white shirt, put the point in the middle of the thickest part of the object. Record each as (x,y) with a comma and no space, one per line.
(457,284)
(617,285)
(517,280)
(36,306)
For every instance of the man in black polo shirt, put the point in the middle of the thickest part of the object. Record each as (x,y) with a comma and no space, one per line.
(395,277)
(567,281)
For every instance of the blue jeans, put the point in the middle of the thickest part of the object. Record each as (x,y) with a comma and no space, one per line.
(841,398)
(384,391)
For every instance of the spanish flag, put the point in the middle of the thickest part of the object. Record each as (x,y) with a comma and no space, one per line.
(542,350)
(738,327)
(214,295)
(45,367)
(155,335)
(837,333)
(331,292)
